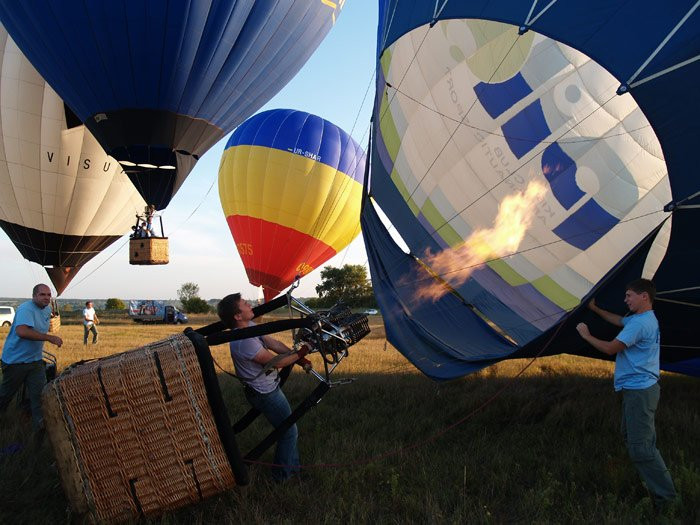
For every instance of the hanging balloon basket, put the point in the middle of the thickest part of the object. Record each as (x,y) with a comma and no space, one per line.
(152,250)
(145,246)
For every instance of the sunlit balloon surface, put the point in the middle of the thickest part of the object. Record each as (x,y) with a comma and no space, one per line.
(514,168)
(62,198)
(159,82)
(290,185)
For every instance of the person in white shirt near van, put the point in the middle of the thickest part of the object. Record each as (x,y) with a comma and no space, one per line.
(89,321)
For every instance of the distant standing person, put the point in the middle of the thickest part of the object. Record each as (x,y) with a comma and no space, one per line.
(89,321)
(636,350)
(149,212)
(22,362)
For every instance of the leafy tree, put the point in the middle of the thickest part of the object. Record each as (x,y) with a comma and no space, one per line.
(196,305)
(313,302)
(348,284)
(191,302)
(187,291)
(114,304)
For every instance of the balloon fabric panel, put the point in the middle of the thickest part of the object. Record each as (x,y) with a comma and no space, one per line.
(454,177)
(275,255)
(290,189)
(159,83)
(579,114)
(62,199)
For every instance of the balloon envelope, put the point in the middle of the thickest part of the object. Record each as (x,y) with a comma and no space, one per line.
(524,179)
(290,185)
(62,198)
(159,82)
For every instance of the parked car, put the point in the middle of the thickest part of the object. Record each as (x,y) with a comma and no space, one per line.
(7,315)
(371,311)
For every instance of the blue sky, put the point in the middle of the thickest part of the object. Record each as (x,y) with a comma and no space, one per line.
(332,84)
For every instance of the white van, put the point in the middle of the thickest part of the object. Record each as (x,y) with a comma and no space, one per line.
(7,315)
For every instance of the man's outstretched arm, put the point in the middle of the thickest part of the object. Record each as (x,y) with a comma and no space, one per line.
(608,316)
(27,332)
(607,347)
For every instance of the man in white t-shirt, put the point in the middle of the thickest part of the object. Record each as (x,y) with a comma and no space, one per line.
(256,361)
(89,321)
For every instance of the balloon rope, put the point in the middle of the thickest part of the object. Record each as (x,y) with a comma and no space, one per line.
(577,140)
(179,226)
(433,437)
(72,285)
(347,248)
(466,114)
(368,154)
(684,303)
(318,228)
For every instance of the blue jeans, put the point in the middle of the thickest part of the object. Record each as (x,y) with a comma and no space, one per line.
(638,410)
(33,375)
(275,407)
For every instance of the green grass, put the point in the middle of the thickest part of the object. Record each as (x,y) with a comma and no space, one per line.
(546,449)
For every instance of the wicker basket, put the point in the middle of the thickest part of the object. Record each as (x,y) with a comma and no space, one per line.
(136,434)
(55,324)
(151,250)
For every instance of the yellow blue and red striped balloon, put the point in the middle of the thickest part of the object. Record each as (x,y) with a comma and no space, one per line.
(290,185)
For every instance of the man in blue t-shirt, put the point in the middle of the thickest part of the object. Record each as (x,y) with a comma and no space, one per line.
(636,350)
(256,360)
(21,361)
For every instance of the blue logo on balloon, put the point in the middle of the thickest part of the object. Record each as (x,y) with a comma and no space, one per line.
(523,132)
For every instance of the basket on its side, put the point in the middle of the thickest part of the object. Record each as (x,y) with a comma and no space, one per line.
(55,324)
(142,432)
(148,250)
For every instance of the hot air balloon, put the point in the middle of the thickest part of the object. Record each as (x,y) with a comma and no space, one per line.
(62,198)
(531,157)
(158,83)
(290,185)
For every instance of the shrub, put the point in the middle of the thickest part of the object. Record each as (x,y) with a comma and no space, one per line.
(114,304)
(196,305)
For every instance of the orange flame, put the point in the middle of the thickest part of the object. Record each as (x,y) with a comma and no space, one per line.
(454,265)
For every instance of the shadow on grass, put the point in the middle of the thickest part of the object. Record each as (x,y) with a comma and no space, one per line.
(545,449)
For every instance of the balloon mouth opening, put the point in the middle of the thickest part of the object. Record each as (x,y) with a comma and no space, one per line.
(140,158)
(61,276)
(510,126)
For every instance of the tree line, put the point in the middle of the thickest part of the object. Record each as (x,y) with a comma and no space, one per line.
(348,284)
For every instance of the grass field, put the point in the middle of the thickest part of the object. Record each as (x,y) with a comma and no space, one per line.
(543,447)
